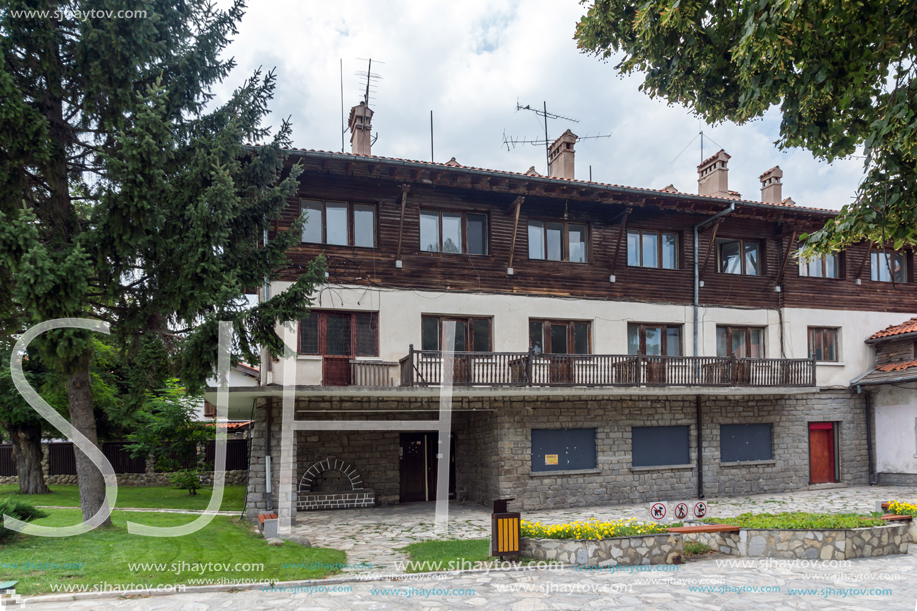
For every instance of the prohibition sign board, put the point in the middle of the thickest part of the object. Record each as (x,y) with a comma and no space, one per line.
(657,511)
(681,511)
(700,509)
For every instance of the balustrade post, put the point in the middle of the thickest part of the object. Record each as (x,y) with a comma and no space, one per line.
(528,367)
(412,365)
(733,370)
(638,365)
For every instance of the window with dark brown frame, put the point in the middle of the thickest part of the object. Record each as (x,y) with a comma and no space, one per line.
(742,342)
(822,266)
(339,223)
(558,241)
(560,337)
(331,333)
(883,265)
(471,334)
(652,249)
(740,257)
(653,339)
(453,232)
(823,344)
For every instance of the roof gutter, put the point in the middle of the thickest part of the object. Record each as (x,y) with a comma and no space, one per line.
(553,181)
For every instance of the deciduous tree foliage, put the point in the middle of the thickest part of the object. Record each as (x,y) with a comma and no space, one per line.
(842,74)
(128,196)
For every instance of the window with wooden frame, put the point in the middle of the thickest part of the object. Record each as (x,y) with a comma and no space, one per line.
(453,232)
(823,345)
(740,257)
(653,339)
(885,265)
(560,337)
(471,334)
(652,249)
(822,266)
(339,223)
(558,241)
(331,333)
(741,342)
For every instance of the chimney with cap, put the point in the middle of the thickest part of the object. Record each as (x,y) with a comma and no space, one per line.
(713,176)
(360,124)
(771,187)
(560,156)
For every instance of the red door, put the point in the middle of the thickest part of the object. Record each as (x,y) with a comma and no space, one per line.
(821,452)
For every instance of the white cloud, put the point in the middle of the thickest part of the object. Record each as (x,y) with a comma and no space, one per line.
(470,62)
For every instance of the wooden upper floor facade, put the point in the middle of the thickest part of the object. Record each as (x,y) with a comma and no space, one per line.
(413,225)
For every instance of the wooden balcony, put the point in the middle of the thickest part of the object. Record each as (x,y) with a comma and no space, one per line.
(487,369)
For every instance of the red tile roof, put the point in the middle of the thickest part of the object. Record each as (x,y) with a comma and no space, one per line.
(909,326)
(897,366)
(523,175)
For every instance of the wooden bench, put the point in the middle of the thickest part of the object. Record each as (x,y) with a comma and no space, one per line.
(265,516)
(885,505)
(891,517)
(706,528)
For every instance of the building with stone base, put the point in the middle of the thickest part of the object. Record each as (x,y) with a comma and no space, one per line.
(609,344)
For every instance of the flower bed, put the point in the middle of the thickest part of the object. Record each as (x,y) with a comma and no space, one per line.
(808,536)
(592,529)
(595,543)
(902,509)
(799,521)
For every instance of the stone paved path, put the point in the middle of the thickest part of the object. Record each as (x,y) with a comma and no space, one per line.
(372,535)
(570,590)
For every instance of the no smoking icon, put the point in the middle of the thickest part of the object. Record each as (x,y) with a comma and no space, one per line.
(681,511)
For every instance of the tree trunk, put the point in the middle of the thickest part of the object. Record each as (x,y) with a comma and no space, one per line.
(92,484)
(27,456)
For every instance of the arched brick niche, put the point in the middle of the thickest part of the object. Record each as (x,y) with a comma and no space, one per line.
(357,497)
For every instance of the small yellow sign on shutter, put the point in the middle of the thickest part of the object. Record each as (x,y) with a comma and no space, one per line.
(550,459)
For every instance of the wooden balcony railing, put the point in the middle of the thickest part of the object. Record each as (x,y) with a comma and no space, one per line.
(424,368)
(372,373)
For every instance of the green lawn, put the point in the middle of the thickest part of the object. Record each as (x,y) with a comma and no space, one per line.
(106,553)
(152,497)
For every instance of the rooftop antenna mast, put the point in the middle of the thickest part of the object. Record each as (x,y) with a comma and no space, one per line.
(369,88)
(511,142)
(700,134)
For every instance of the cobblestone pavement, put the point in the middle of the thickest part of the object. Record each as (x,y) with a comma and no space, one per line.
(372,535)
(860,585)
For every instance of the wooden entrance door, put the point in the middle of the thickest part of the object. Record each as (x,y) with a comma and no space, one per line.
(821,452)
(419,467)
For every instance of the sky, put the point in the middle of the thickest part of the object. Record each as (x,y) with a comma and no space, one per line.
(471,62)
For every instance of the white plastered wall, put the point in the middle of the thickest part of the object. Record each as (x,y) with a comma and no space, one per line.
(896,429)
(400,312)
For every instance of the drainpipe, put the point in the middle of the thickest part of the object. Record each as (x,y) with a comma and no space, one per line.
(873,477)
(700,449)
(270,412)
(697,229)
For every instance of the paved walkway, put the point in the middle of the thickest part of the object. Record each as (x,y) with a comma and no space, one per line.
(372,535)
(852,587)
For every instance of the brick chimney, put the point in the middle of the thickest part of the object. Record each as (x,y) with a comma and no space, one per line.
(771,187)
(560,156)
(713,176)
(360,124)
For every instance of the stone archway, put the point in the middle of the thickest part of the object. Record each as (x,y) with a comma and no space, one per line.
(331,464)
(358,496)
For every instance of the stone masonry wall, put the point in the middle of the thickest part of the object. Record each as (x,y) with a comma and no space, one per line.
(634,551)
(493,447)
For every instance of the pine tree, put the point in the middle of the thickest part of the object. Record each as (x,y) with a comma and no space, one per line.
(128,196)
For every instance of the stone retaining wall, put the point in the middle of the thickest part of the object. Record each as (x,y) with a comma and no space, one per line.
(825,544)
(233,478)
(644,549)
(725,542)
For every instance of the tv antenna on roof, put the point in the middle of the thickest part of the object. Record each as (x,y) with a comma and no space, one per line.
(700,134)
(510,142)
(368,86)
